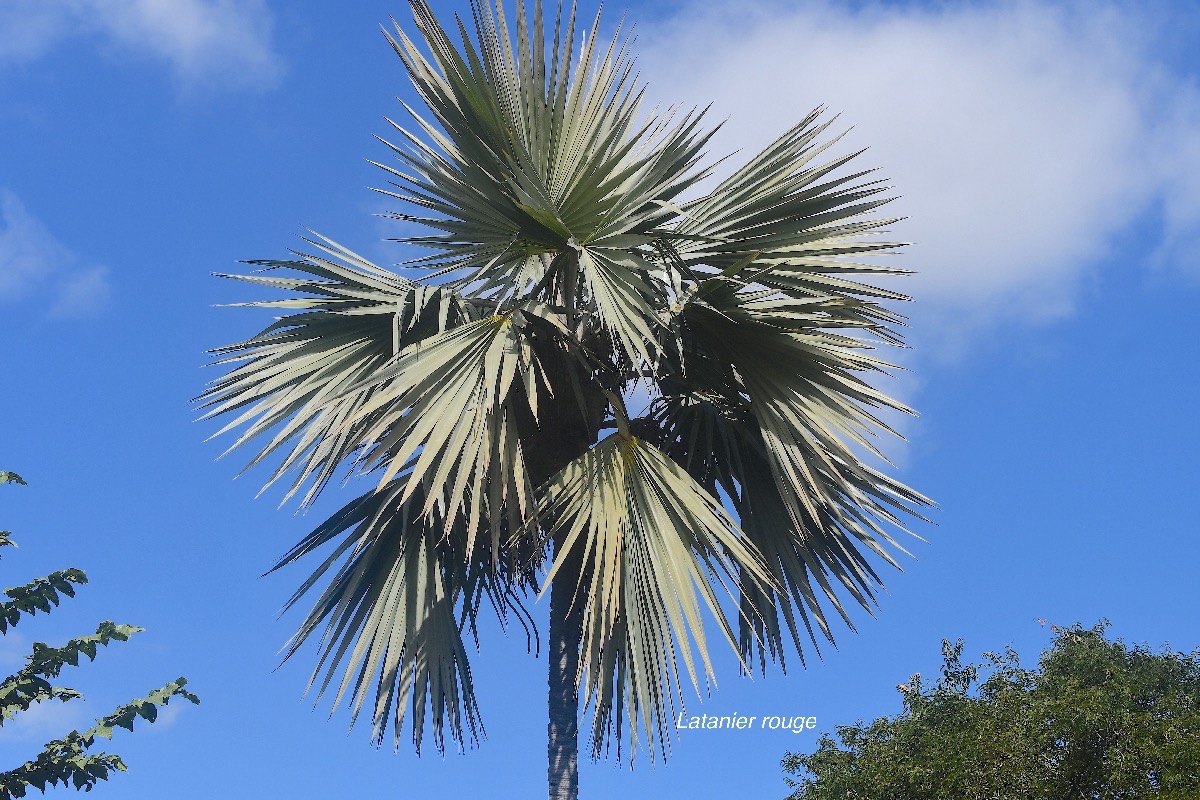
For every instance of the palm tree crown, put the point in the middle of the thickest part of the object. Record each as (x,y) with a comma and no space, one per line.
(567,271)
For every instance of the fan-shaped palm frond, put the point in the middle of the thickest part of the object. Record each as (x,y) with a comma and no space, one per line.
(761,389)
(394,610)
(529,163)
(654,542)
(296,374)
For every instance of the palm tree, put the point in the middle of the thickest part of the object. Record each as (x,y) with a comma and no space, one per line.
(598,389)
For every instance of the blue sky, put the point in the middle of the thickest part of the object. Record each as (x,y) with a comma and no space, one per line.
(1048,158)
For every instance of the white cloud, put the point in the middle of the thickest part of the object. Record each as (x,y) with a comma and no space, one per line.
(44,721)
(203,41)
(28,253)
(30,28)
(1024,137)
(1179,158)
(34,265)
(81,293)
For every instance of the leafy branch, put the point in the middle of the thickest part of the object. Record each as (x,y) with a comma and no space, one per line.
(9,477)
(30,686)
(67,761)
(39,595)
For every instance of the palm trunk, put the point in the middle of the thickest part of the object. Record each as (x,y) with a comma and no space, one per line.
(562,731)
(562,437)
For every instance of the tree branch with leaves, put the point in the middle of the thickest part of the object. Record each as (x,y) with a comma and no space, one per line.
(67,761)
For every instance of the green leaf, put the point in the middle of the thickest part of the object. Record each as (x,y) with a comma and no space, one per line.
(39,595)
(28,686)
(389,615)
(656,548)
(67,761)
(293,376)
(442,409)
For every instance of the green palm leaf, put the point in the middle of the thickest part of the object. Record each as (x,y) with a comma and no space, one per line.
(654,543)
(294,376)
(441,404)
(723,449)
(391,615)
(529,164)
(760,380)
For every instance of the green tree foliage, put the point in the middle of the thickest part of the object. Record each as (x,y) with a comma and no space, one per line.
(595,353)
(1097,720)
(68,761)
